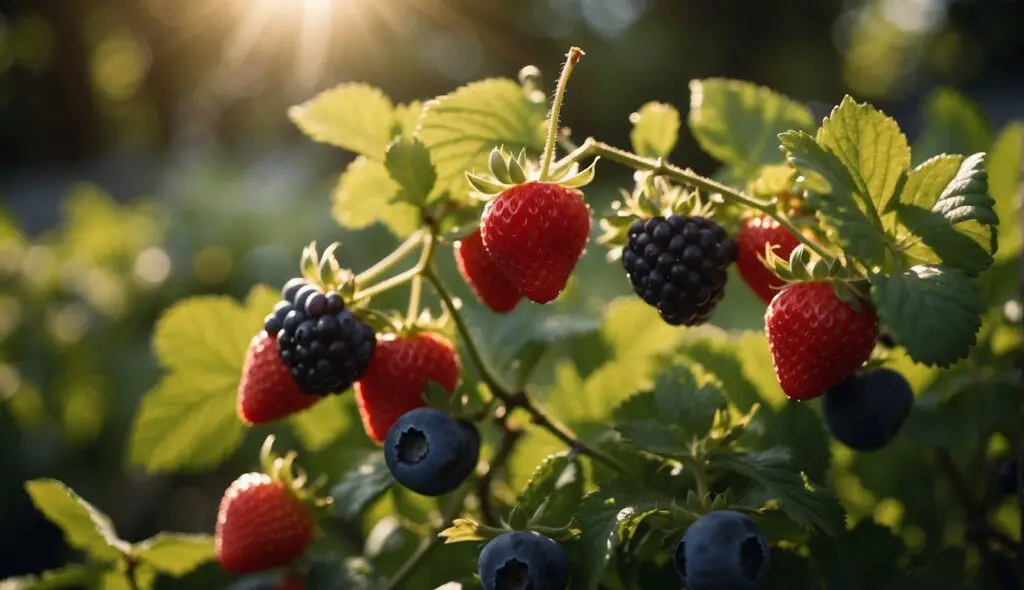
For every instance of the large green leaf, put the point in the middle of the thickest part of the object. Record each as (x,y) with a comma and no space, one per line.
(188,421)
(71,576)
(361,486)
(834,194)
(952,125)
(738,122)
(175,554)
(408,163)
(810,507)
(461,128)
(872,148)
(85,528)
(353,116)
(933,312)
(687,400)
(366,194)
(1005,177)
(655,129)
(799,428)
(557,485)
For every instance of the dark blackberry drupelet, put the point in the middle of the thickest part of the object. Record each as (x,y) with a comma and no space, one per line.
(678,265)
(325,346)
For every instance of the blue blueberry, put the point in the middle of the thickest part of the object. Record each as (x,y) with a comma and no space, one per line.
(1007,478)
(866,411)
(723,550)
(429,452)
(523,560)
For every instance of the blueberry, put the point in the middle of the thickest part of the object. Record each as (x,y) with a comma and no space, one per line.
(523,560)
(865,411)
(723,550)
(1007,478)
(430,453)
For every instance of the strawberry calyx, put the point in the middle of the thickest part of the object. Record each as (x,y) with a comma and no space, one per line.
(805,266)
(324,271)
(284,471)
(506,170)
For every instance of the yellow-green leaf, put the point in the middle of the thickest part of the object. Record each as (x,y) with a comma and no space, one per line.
(655,129)
(84,526)
(175,554)
(1005,162)
(365,195)
(355,117)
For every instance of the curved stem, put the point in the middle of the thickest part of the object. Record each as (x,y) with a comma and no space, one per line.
(387,284)
(592,147)
(414,298)
(429,543)
(572,58)
(391,259)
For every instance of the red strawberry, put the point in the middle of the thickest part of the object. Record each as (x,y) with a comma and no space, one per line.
(752,237)
(397,377)
(267,391)
(536,232)
(816,339)
(482,275)
(260,525)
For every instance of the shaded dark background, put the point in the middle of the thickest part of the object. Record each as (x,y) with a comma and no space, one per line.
(145,155)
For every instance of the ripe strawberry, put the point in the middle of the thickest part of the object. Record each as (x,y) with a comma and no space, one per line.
(397,377)
(817,340)
(752,237)
(536,232)
(491,287)
(267,391)
(260,525)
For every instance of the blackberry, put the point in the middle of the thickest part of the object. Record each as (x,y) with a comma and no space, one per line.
(325,346)
(678,265)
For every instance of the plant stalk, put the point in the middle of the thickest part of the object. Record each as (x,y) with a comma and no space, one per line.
(572,58)
(389,261)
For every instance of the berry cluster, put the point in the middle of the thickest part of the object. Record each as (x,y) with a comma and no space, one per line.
(325,346)
(678,265)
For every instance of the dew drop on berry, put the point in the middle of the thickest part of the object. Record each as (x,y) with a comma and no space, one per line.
(335,303)
(293,319)
(692,256)
(316,304)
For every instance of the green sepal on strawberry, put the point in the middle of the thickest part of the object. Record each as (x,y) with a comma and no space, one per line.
(535,225)
(266,519)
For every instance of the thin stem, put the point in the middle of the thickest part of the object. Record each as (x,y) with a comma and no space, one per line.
(391,259)
(414,298)
(700,477)
(572,58)
(430,542)
(592,147)
(518,399)
(129,575)
(977,525)
(387,284)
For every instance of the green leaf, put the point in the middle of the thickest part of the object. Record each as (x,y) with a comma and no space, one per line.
(85,528)
(799,428)
(366,194)
(957,226)
(322,424)
(1005,177)
(832,194)
(175,554)
(361,486)
(408,164)
(355,117)
(557,485)
(188,421)
(810,507)
(333,574)
(406,118)
(952,125)
(738,122)
(872,148)
(933,312)
(655,130)
(462,127)
(600,518)
(69,576)
(687,401)
(656,437)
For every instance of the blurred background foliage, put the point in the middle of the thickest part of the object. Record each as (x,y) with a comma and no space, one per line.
(145,156)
